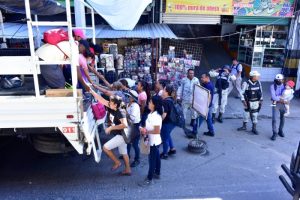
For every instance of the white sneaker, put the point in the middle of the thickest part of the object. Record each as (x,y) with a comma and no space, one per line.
(286,114)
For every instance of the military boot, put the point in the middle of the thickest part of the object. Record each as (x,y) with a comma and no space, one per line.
(254,129)
(220,118)
(244,127)
(274,136)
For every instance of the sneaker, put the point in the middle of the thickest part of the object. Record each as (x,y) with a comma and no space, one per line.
(208,133)
(172,152)
(135,163)
(146,183)
(164,156)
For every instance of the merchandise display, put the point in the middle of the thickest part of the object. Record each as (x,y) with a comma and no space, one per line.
(107,61)
(138,62)
(175,69)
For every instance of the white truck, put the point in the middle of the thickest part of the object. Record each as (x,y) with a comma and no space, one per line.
(53,124)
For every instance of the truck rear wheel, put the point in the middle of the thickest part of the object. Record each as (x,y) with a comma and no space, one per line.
(52,144)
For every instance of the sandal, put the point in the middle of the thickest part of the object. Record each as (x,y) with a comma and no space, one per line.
(115,167)
(125,173)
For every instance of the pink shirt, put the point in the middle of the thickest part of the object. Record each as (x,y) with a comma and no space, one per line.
(142,97)
(83,65)
(82,61)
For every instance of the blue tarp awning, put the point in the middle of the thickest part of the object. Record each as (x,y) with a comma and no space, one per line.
(38,7)
(147,31)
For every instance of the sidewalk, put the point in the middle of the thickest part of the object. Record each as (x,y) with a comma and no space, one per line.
(234,108)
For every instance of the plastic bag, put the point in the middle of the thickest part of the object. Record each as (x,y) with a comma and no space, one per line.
(9,83)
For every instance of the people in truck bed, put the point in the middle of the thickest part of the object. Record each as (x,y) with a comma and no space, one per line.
(51,74)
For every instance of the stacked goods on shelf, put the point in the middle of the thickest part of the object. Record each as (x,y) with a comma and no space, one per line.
(175,69)
(137,62)
(107,62)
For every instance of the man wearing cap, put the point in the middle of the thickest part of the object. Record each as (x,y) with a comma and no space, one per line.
(236,70)
(221,91)
(133,118)
(252,98)
(277,89)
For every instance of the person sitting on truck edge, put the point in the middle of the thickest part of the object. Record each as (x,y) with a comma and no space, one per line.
(117,115)
(51,74)
(84,53)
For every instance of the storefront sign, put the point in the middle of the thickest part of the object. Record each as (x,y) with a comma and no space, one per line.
(272,8)
(203,7)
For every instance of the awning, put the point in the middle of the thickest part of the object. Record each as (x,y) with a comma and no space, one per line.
(38,7)
(190,19)
(256,20)
(148,31)
(120,14)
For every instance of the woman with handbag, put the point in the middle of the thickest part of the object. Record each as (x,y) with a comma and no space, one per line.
(152,131)
(117,116)
(134,118)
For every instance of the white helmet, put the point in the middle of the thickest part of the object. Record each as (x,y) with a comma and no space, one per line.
(279,77)
(254,73)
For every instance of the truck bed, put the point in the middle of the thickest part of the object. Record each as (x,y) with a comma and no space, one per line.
(26,90)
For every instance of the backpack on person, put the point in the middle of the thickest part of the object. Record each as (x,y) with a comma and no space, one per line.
(55,36)
(176,115)
(243,71)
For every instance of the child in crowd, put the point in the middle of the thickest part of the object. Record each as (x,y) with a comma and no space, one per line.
(287,95)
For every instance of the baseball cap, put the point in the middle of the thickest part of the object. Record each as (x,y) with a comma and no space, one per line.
(133,94)
(79,32)
(291,84)
(279,77)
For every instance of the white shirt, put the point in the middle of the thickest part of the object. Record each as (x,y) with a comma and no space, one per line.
(134,113)
(154,119)
(287,94)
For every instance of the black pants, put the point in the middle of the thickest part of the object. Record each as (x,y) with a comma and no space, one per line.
(154,162)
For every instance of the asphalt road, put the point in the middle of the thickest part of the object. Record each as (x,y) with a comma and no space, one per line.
(239,166)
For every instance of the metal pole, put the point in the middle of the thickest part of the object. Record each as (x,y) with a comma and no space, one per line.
(72,48)
(160,21)
(2,30)
(38,38)
(31,44)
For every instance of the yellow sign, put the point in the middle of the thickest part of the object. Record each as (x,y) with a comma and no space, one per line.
(204,7)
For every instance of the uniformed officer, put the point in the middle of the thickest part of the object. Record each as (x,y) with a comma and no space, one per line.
(221,91)
(252,98)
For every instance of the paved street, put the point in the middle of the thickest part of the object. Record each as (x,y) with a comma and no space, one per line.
(239,166)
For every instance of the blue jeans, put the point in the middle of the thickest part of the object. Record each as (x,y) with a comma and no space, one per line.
(167,141)
(135,143)
(154,162)
(279,108)
(208,121)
